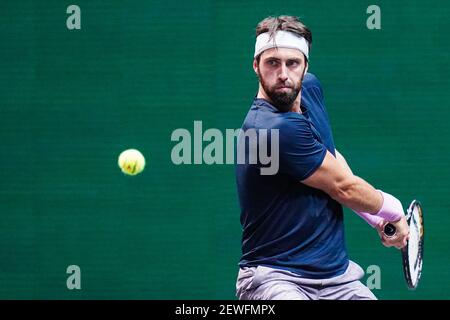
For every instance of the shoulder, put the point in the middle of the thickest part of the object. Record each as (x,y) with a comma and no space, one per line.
(312,84)
(293,124)
(265,116)
(311,80)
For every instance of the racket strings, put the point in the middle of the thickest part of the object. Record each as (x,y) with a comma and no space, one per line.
(414,250)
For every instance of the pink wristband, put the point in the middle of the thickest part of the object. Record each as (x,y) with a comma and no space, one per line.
(392,209)
(371,219)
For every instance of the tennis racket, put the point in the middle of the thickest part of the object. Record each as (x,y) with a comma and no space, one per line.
(412,253)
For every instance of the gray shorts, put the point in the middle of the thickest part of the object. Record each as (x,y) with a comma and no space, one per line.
(264,283)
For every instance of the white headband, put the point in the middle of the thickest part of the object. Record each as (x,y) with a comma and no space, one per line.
(282,39)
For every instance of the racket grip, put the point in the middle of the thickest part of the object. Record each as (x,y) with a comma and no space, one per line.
(389,229)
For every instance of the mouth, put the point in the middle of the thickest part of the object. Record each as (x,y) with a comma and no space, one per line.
(283,88)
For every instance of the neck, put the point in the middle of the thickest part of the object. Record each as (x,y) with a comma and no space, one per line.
(262,94)
(295,106)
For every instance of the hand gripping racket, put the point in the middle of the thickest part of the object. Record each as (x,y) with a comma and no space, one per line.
(412,253)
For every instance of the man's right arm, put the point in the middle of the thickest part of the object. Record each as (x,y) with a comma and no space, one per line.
(304,158)
(344,187)
(353,192)
(372,220)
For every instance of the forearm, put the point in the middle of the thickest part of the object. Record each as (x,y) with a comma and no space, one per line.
(353,192)
(358,195)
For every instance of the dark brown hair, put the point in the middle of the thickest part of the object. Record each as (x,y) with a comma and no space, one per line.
(286,23)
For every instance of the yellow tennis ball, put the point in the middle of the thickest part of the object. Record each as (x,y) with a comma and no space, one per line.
(131,162)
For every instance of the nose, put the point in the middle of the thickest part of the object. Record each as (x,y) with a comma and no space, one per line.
(283,73)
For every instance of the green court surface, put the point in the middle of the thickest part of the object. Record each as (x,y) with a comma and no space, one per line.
(72,100)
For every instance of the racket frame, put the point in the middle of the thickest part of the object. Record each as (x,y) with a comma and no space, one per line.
(405,257)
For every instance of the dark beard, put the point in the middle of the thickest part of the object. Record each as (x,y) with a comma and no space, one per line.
(283,101)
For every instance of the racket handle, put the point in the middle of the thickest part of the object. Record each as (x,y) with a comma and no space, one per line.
(389,229)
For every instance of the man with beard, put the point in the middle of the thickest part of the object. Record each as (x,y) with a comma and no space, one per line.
(293,244)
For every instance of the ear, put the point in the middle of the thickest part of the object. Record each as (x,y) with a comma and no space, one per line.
(255,66)
(306,68)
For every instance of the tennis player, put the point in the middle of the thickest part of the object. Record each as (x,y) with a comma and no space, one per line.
(293,244)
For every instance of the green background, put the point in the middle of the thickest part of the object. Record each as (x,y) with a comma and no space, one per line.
(72,100)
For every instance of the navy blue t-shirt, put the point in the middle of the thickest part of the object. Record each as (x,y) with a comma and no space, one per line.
(285,223)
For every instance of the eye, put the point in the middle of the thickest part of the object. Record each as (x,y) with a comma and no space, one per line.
(292,63)
(272,62)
